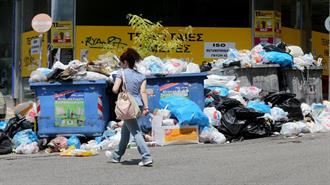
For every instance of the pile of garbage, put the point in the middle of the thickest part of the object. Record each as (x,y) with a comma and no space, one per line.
(76,70)
(105,67)
(17,135)
(285,56)
(154,65)
(249,112)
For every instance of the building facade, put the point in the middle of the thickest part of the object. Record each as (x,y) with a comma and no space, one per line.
(83,27)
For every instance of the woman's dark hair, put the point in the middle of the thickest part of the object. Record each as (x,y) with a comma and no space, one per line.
(131,56)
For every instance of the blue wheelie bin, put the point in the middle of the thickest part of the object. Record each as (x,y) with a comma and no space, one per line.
(66,108)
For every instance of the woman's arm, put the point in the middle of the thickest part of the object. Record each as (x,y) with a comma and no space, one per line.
(116,86)
(144,95)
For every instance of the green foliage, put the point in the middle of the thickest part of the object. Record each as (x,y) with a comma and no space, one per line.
(154,37)
(151,38)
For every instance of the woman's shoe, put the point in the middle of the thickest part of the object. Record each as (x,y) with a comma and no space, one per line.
(108,154)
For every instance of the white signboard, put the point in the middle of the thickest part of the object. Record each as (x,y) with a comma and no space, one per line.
(217,49)
(35,46)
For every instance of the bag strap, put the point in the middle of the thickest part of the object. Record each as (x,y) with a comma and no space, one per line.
(124,87)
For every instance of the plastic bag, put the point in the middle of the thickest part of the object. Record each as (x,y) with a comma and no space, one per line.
(185,110)
(220,90)
(306,109)
(211,135)
(257,128)
(73,152)
(259,106)
(74,141)
(239,98)
(31,148)
(295,51)
(278,114)
(59,65)
(294,128)
(37,76)
(3,124)
(91,76)
(213,115)
(227,104)
(6,145)
(44,71)
(193,68)
(57,144)
(250,93)
(25,137)
(283,59)
(324,121)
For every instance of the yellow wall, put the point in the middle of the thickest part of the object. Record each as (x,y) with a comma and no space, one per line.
(320,45)
(291,36)
(93,38)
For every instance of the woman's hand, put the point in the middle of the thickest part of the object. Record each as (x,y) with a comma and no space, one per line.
(145,111)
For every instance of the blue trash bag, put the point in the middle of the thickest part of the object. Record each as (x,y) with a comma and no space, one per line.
(74,141)
(185,110)
(25,137)
(259,106)
(3,124)
(223,91)
(106,135)
(283,59)
(145,123)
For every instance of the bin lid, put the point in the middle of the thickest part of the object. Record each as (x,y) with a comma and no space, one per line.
(83,82)
(181,75)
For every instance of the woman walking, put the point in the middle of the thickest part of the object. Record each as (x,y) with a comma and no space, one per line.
(136,85)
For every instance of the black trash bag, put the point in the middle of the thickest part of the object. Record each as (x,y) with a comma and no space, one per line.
(17,124)
(248,114)
(282,46)
(235,121)
(292,106)
(278,97)
(6,145)
(288,103)
(214,97)
(271,47)
(206,67)
(277,126)
(226,104)
(257,128)
(230,125)
(232,64)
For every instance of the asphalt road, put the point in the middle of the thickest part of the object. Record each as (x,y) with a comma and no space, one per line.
(274,160)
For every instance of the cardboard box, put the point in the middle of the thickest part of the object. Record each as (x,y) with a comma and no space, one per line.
(168,135)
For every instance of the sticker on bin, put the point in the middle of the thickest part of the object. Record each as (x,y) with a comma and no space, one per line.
(69,109)
(99,107)
(174,89)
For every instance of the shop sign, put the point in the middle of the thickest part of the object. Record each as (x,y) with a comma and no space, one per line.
(69,109)
(217,49)
(90,41)
(30,52)
(62,35)
(267,26)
